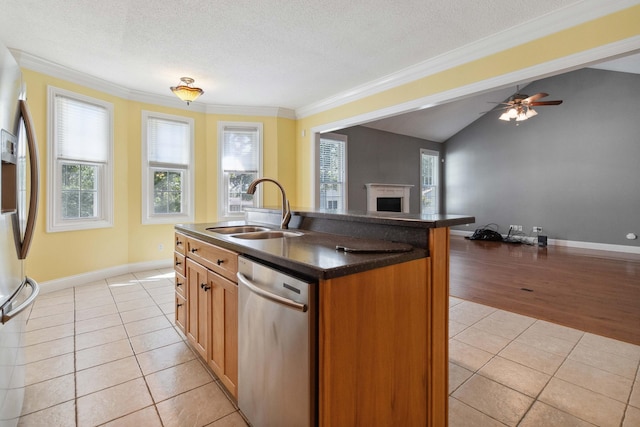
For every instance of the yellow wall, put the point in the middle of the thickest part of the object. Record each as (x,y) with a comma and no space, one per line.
(64,254)
(287,154)
(609,29)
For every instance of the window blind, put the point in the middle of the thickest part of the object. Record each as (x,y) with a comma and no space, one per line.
(241,148)
(168,141)
(332,160)
(82,130)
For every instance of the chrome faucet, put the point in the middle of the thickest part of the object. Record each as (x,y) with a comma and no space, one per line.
(286,208)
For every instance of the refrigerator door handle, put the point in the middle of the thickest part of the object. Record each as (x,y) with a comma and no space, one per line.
(35,290)
(34,177)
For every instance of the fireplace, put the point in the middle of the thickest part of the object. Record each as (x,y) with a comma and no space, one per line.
(388,197)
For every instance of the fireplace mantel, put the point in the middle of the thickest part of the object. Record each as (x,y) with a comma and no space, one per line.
(400,191)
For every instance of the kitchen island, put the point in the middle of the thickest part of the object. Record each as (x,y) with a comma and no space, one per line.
(382,313)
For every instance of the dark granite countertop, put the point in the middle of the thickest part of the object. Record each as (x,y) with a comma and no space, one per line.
(392,218)
(314,255)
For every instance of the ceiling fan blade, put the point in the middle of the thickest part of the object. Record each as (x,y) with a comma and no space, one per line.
(537,104)
(535,97)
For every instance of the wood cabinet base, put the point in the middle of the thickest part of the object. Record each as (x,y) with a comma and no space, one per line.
(373,347)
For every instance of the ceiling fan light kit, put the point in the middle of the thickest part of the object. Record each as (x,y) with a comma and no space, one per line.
(520,106)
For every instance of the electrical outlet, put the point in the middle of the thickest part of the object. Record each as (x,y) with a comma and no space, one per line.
(537,229)
(515,227)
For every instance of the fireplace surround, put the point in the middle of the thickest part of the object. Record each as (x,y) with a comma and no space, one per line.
(388,197)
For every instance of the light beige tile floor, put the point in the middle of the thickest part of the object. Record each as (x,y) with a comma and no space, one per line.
(107,353)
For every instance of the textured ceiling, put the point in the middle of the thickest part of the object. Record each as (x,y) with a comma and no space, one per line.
(282,53)
(277,53)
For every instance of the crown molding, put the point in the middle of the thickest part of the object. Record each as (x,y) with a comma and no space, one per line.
(34,63)
(251,111)
(547,24)
(550,23)
(536,72)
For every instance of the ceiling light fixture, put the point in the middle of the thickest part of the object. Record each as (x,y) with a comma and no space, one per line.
(186,91)
(518,112)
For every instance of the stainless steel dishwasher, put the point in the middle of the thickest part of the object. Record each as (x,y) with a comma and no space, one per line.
(276,347)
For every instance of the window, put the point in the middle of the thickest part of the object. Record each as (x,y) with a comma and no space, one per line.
(429,181)
(80,162)
(167,177)
(240,157)
(332,167)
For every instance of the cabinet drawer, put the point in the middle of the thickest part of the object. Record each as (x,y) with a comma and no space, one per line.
(180,243)
(217,259)
(181,313)
(178,263)
(181,284)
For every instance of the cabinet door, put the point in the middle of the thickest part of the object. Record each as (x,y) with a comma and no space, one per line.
(198,303)
(224,333)
(181,312)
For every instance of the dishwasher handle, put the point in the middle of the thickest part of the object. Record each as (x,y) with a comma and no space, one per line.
(270,296)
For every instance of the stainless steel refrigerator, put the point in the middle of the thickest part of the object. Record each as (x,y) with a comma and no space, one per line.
(19,205)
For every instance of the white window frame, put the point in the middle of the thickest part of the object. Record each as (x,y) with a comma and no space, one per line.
(148,216)
(222,184)
(335,137)
(436,154)
(104,219)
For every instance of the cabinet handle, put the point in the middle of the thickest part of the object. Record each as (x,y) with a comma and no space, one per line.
(178,262)
(179,305)
(178,243)
(194,250)
(220,261)
(178,284)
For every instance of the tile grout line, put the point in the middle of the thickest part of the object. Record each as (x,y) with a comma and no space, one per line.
(633,387)
(135,355)
(552,376)
(75,362)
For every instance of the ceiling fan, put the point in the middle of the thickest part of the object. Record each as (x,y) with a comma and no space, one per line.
(520,106)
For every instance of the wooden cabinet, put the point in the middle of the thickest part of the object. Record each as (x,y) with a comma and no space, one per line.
(382,353)
(181,302)
(372,366)
(223,357)
(216,259)
(383,343)
(180,243)
(179,264)
(207,304)
(198,326)
(181,313)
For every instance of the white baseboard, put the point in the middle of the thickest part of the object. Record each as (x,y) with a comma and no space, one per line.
(94,276)
(574,244)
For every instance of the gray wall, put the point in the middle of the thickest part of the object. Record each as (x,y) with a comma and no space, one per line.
(574,169)
(383,157)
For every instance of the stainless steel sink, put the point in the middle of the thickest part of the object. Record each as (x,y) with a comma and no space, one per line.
(272,234)
(235,229)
